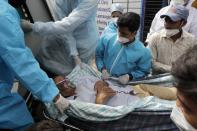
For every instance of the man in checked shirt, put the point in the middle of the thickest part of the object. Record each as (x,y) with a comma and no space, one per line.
(170,43)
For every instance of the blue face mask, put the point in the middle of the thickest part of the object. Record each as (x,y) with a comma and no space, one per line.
(16,3)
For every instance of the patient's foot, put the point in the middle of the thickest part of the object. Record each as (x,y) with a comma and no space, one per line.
(104,92)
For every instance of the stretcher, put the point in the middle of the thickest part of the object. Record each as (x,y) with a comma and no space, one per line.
(89,116)
(139,120)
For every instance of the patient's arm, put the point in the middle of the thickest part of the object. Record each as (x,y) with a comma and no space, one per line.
(167,93)
(103,92)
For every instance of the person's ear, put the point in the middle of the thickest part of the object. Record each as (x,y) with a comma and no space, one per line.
(134,33)
(132,36)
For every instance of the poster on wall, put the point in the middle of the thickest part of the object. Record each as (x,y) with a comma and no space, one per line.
(103,14)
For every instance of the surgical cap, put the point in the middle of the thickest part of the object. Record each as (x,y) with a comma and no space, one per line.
(117,7)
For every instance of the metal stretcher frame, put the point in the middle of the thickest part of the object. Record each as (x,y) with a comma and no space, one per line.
(138,120)
(135,121)
(66,124)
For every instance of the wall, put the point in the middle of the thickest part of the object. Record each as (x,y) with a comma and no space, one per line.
(103,15)
(130,5)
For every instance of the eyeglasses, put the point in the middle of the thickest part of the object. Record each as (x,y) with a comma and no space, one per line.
(67,82)
(62,81)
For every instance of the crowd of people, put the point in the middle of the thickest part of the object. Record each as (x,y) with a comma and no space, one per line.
(73,40)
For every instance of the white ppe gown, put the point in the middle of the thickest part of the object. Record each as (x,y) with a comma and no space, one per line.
(74,33)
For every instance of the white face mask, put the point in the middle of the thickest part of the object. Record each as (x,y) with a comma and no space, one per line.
(115,19)
(177,2)
(179,119)
(123,39)
(171,32)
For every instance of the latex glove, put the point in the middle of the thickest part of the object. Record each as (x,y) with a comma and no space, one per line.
(105,74)
(45,125)
(61,103)
(124,79)
(79,63)
(26,25)
(77,60)
(83,65)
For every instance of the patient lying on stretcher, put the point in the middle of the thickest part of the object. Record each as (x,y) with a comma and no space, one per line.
(93,90)
(102,89)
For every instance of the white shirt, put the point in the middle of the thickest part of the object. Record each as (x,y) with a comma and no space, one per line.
(85,92)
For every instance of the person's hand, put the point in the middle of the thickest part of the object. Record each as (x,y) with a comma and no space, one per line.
(61,103)
(45,125)
(77,60)
(105,74)
(103,92)
(65,86)
(194,4)
(26,25)
(83,65)
(124,79)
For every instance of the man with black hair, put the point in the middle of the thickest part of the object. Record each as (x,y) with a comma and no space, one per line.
(122,55)
(184,71)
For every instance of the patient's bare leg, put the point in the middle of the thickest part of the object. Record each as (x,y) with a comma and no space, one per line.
(104,92)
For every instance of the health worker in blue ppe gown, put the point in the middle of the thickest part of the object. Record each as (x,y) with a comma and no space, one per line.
(72,39)
(116,11)
(122,55)
(17,62)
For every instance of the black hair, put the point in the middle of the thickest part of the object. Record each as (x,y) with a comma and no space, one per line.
(16,3)
(130,20)
(184,70)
